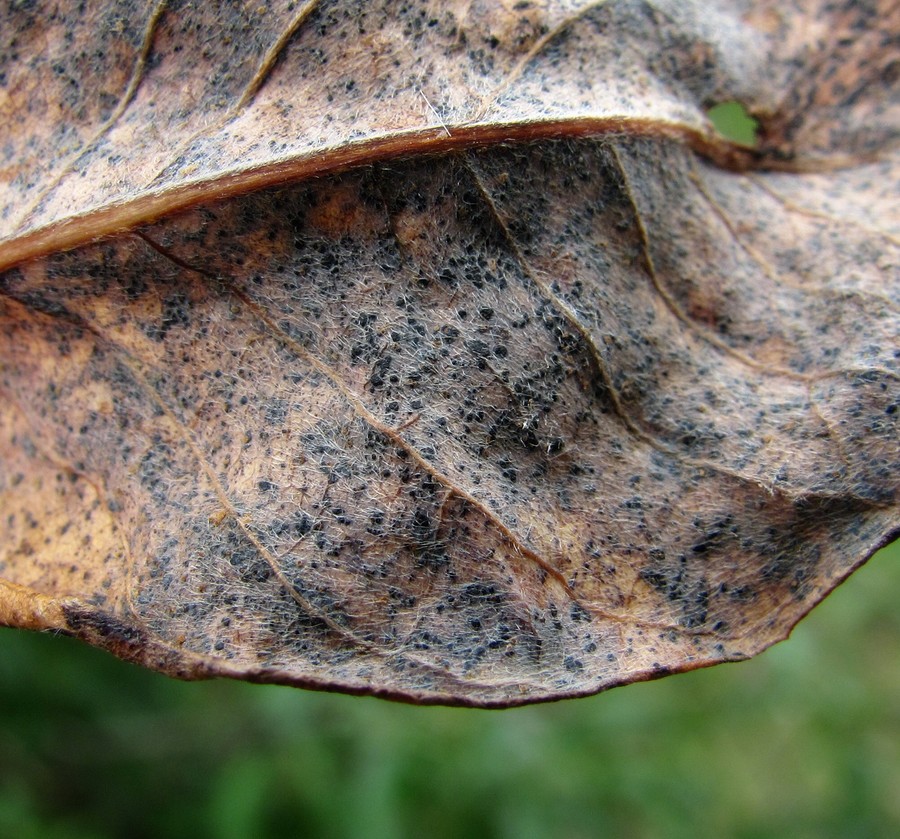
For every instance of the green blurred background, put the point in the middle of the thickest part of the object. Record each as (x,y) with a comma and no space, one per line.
(803,741)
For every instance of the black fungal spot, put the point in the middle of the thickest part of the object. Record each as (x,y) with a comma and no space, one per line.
(482,593)
(102,626)
(175,313)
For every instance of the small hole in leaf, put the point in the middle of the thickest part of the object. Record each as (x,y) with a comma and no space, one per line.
(733,122)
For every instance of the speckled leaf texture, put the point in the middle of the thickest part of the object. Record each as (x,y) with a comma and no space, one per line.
(443,350)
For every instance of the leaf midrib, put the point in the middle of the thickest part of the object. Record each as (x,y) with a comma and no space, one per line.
(150,206)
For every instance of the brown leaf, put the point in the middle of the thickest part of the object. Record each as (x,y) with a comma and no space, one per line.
(444,351)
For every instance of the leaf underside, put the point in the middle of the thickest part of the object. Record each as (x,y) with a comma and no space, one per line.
(444,351)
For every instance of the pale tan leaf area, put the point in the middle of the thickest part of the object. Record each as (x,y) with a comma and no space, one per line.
(444,350)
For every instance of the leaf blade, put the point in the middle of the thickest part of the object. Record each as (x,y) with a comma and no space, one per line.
(480,427)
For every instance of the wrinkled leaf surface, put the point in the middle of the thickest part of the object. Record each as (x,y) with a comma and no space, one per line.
(444,351)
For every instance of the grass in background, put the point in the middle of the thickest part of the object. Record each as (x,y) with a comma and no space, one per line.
(803,741)
(733,122)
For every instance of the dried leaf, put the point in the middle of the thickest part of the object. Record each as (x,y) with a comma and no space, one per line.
(444,351)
